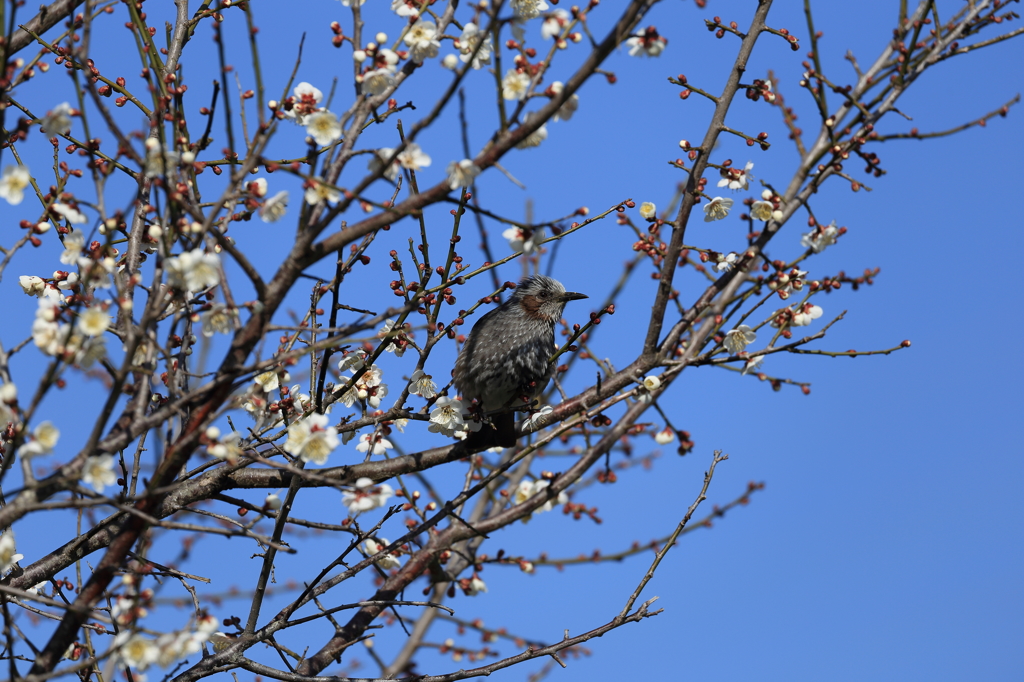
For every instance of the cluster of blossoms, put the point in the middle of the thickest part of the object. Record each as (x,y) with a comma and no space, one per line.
(819,239)
(193,271)
(768,208)
(81,344)
(528,489)
(448,418)
(140,652)
(369,386)
(799,317)
(365,496)
(311,438)
(736,178)
(646,43)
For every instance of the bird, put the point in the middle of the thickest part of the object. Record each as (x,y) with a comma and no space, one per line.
(506,357)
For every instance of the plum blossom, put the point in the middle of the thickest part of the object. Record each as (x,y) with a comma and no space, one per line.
(69,212)
(422,385)
(375,444)
(739,338)
(725,263)
(716,209)
(520,239)
(570,105)
(808,313)
(817,241)
(536,137)
(386,561)
(369,387)
(528,489)
(319,191)
(94,321)
(422,40)
(219,319)
(159,162)
(752,364)
(396,343)
(474,585)
(461,173)
(305,101)
(193,271)
(44,440)
(311,439)
(99,472)
(446,417)
(762,210)
(515,85)
(528,9)
(648,211)
(471,35)
(324,127)
(8,557)
(554,23)
(406,8)
(736,178)
(32,285)
(57,121)
(135,651)
(13,183)
(646,43)
(226,447)
(366,496)
(665,436)
(273,209)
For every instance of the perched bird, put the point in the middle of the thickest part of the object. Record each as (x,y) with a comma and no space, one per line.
(505,358)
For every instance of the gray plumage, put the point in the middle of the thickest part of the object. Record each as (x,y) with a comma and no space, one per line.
(505,358)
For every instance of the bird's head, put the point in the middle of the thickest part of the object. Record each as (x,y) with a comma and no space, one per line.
(543,298)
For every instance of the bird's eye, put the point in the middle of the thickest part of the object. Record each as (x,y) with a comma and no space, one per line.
(545,294)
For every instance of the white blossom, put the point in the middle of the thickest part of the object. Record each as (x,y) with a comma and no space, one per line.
(554,23)
(645,44)
(319,191)
(476,585)
(306,100)
(752,364)
(762,210)
(739,338)
(568,107)
(57,121)
(94,321)
(422,385)
(193,271)
(422,40)
(378,81)
(268,381)
(13,183)
(536,137)
(324,127)
(471,35)
(158,161)
(665,436)
(220,319)
(366,496)
(528,9)
(446,417)
(462,173)
(736,178)
(807,314)
(99,472)
(819,241)
(273,209)
(515,85)
(375,444)
(725,263)
(311,439)
(521,240)
(44,440)
(385,561)
(648,211)
(391,334)
(8,556)
(135,651)
(716,209)
(32,285)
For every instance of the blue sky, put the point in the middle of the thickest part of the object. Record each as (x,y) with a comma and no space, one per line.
(887,541)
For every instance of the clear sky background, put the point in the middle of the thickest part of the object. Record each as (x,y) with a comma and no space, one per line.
(887,543)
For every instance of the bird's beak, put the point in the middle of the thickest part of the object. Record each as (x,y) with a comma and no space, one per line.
(571,296)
